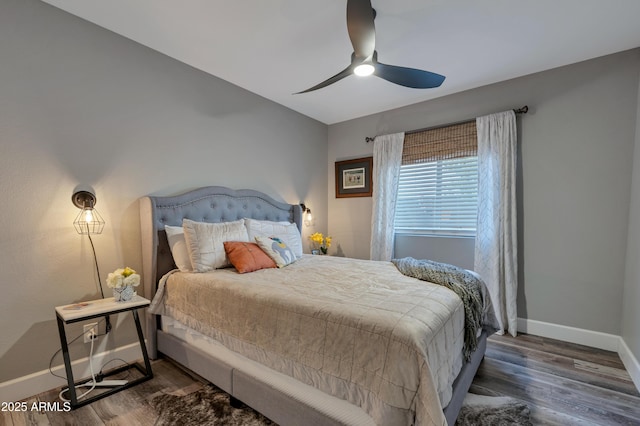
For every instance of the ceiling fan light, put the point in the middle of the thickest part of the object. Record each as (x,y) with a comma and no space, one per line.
(364,70)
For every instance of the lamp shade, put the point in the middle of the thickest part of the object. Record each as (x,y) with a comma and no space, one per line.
(88,220)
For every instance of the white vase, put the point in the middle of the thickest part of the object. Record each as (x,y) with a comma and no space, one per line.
(123,294)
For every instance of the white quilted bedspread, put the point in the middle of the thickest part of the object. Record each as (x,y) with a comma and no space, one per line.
(356,329)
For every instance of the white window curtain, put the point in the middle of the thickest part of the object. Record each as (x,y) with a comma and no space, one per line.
(387,157)
(496,257)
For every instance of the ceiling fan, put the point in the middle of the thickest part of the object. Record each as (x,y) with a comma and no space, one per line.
(364,59)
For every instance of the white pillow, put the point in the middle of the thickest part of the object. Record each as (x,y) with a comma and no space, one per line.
(205,242)
(287,232)
(178,246)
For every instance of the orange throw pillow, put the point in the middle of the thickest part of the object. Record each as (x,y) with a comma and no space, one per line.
(247,257)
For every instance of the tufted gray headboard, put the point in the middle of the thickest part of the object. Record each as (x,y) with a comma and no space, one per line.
(207,204)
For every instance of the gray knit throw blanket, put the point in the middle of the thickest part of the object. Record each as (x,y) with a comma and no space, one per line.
(465,284)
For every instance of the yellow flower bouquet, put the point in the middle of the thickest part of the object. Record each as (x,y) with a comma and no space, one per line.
(320,241)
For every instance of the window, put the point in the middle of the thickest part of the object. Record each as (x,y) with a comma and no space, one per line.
(438,187)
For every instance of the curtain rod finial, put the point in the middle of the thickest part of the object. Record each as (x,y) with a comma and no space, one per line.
(369,139)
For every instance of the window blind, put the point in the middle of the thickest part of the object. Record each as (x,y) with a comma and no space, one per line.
(438,184)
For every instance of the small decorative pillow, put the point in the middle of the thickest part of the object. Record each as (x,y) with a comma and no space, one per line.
(205,242)
(277,250)
(287,232)
(247,257)
(178,246)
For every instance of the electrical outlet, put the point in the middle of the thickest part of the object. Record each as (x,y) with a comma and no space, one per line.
(90,332)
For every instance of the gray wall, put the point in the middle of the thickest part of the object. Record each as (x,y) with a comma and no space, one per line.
(575,178)
(81,105)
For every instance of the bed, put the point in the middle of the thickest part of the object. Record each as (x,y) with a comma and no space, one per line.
(338,365)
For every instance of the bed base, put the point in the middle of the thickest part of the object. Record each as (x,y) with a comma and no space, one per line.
(285,400)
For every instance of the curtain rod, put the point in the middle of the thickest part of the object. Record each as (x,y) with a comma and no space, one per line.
(522,110)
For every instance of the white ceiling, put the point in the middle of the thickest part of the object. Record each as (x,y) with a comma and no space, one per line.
(277,47)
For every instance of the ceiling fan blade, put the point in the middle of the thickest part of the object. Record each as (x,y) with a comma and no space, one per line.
(408,77)
(362,31)
(342,74)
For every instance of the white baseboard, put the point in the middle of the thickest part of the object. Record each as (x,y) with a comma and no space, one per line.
(630,362)
(594,339)
(42,381)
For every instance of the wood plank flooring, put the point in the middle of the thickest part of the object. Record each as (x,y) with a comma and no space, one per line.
(563,384)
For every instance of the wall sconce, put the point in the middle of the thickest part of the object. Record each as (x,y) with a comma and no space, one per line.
(88,220)
(306,215)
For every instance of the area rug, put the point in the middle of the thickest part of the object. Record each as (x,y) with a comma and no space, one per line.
(205,407)
(210,406)
(480,410)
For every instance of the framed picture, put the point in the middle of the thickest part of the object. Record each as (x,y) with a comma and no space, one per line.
(353,178)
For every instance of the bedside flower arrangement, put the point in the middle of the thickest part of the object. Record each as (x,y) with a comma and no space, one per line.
(320,241)
(122,282)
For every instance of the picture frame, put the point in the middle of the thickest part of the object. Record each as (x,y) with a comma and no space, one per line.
(353,178)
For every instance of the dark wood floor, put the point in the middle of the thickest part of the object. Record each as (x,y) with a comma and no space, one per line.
(563,384)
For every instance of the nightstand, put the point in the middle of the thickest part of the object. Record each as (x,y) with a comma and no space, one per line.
(84,311)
